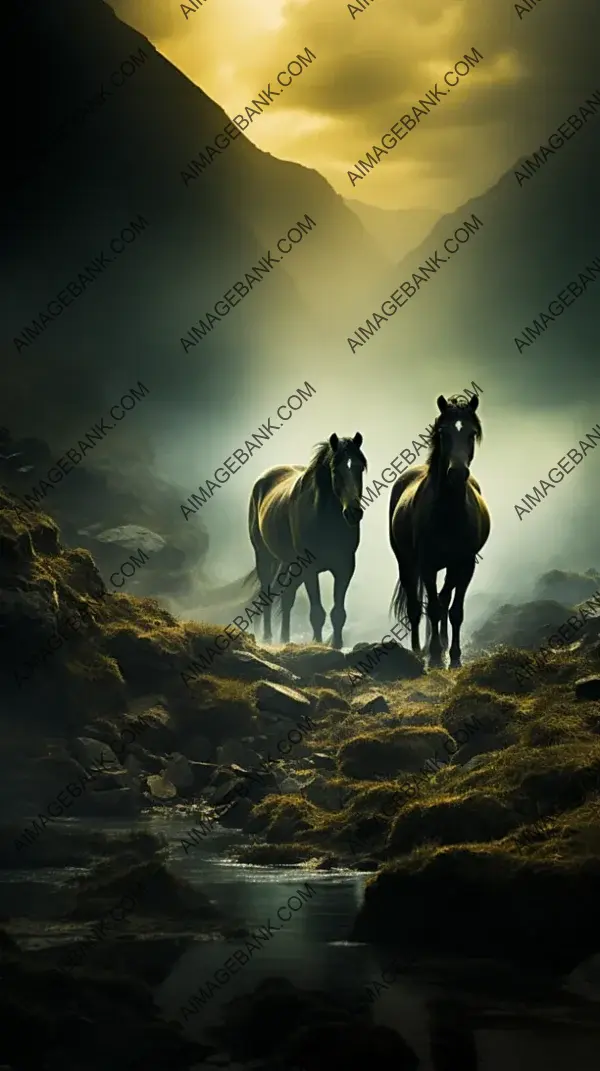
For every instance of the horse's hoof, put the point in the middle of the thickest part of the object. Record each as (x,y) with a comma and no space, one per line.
(455,663)
(336,644)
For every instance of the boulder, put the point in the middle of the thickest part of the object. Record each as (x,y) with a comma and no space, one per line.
(249,667)
(119,802)
(474,818)
(527,625)
(377,705)
(391,753)
(288,786)
(323,794)
(587,688)
(313,1030)
(308,659)
(584,980)
(178,771)
(321,761)
(280,699)
(199,749)
(89,751)
(478,746)
(383,663)
(569,589)
(481,708)
(159,787)
(239,752)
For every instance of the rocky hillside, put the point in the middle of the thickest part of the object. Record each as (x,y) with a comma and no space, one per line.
(83,164)
(485,780)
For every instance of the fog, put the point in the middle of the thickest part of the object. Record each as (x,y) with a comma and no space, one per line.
(518,449)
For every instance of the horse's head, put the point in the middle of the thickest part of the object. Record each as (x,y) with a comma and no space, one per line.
(347,464)
(455,433)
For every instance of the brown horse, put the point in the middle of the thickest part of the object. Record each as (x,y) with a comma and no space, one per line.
(438,520)
(293,508)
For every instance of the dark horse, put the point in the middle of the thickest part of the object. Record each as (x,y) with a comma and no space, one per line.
(439,520)
(316,508)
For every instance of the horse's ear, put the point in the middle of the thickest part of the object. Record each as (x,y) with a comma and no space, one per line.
(474,402)
(442,404)
(334,442)
(358,440)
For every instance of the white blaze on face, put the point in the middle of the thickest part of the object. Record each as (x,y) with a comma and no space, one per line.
(458,425)
(349,463)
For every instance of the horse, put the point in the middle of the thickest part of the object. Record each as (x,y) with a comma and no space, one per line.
(315,507)
(438,519)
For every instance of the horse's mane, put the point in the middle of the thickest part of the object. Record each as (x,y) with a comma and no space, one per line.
(321,452)
(454,412)
(315,471)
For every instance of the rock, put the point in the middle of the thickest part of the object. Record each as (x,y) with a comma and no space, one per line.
(392,752)
(308,659)
(320,792)
(312,1030)
(527,625)
(200,749)
(28,620)
(282,700)
(237,815)
(236,751)
(249,667)
(474,818)
(490,712)
(90,752)
(567,588)
(133,765)
(113,803)
(228,785)
(584,980)
(417,719)
(377,705)
(160,787)
(421,697)
(384,663)
(352,1046)
(202,773)
(321,761)
(474,763)
(480,745)
(178,771)
(329,701)
(587,688)
(129,536)
(288,786)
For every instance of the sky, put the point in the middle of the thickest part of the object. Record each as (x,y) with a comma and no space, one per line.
(371,68)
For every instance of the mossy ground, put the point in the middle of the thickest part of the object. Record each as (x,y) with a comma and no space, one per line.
(523,813)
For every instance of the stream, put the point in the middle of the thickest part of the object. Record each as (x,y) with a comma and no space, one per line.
(518,1020)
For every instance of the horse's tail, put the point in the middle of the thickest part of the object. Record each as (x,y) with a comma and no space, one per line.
(398,605)
(234,592)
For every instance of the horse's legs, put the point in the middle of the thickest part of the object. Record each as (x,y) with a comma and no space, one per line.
(433,613)
(266,567)
(341,580)
(414,606)
(463,577)
(317,613)
(444,602)
(288,598)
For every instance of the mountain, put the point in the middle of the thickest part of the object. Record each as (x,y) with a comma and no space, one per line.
(396,231)
(100,137)
(537,236)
